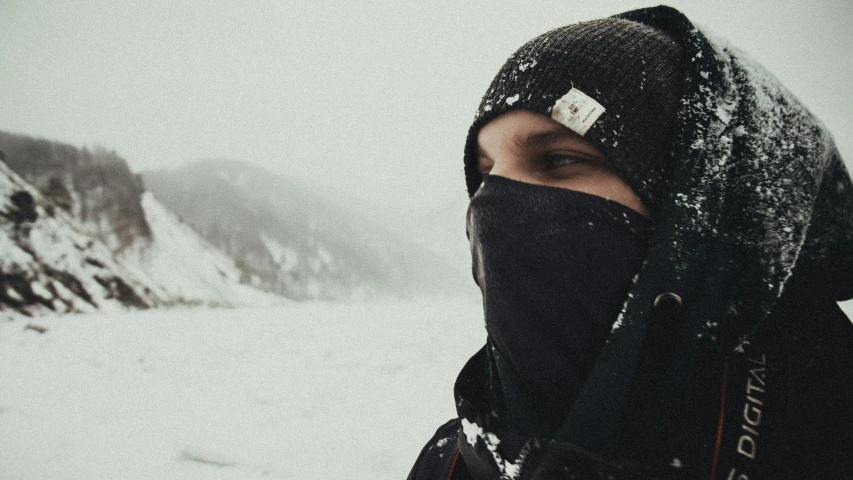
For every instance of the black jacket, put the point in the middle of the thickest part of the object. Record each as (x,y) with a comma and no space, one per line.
(781,409)
(748,376)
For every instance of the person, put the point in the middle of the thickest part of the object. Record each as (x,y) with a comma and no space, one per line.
(660,232)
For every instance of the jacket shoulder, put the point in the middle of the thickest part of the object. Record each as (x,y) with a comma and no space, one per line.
(437,456)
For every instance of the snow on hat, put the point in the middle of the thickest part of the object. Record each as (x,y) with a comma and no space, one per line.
(618,83)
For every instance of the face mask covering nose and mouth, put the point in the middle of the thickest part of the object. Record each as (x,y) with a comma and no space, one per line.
(554,267)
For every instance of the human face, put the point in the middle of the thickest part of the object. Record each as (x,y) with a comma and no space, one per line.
(532,148)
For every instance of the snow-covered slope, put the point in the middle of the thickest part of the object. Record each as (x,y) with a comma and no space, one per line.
(48,264)
(291,239)
(108,207)
(186,266)
(95,186)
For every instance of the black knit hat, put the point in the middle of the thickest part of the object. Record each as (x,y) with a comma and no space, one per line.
(634,71)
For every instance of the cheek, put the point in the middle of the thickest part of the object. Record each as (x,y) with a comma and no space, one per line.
(619,191)
(631,200)
(607,184)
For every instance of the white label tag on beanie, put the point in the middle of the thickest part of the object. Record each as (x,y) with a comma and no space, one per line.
(577,111)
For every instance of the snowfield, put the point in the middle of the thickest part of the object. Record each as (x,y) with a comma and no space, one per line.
(302,391)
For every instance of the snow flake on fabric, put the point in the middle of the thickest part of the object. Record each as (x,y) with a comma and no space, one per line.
(474,433)
(747,194)
(523,66)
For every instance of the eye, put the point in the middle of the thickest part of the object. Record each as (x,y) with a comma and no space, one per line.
(558,160)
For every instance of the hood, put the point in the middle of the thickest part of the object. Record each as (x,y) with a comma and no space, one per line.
(758,200)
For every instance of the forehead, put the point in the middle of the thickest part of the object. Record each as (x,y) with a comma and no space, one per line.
(521,129)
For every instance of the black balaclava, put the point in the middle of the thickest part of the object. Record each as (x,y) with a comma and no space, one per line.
(555,266)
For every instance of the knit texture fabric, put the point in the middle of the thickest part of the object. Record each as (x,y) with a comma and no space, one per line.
(633,70)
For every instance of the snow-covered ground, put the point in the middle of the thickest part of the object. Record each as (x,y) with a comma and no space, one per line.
(303,391)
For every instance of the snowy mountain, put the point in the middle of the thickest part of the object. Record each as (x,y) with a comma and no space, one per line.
(289,240)
(100,204)
(47,263)
(96,187)
(262,237)
(188,267)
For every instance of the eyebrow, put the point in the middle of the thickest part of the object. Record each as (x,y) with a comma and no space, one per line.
(539,139)
(530,140)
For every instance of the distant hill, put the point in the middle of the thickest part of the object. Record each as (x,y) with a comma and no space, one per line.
(81,222)
(292,241)
(83,232)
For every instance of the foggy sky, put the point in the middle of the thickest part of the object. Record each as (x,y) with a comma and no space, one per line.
(368,100)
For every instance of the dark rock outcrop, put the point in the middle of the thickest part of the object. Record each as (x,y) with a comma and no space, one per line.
(95,186)
(48,264)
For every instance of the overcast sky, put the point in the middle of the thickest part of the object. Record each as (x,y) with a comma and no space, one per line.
(367,99)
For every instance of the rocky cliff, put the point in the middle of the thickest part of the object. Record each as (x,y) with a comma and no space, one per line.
(48,264)
(94,186)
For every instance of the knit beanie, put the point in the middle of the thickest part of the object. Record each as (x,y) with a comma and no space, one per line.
(625,79)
